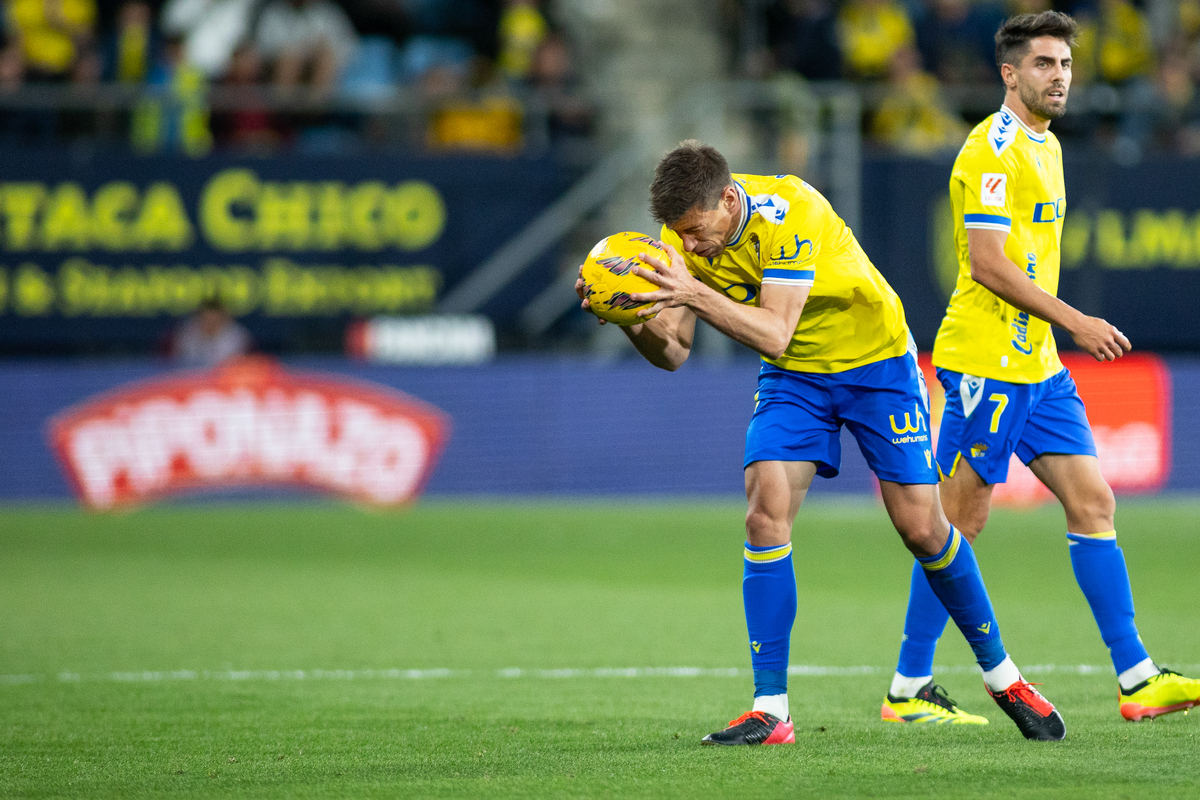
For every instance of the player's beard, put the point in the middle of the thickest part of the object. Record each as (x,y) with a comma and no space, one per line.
(1037,105)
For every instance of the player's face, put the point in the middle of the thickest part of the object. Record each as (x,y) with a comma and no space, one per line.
(1043,77)
(706,233)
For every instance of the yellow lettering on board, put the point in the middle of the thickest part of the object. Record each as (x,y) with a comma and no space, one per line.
(163,223)
(184,289)
(1076,236)
(66,219)
(33,291)
(78,287)
(236,285)
(1110,240)
(276,277)
(113,208)
(365,215)
(1158,239)
(20,204)
(284,216)
(329,231)
(1192,234)
(415,215)
(226,206)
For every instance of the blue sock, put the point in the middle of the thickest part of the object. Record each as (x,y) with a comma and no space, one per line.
(923,626)
(1100,570)
(769,594)
(954,577)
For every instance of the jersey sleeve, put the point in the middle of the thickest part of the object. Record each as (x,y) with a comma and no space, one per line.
(790,255)
(988,184)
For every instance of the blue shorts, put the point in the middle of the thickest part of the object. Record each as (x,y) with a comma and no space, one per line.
(798,416)
(985,421)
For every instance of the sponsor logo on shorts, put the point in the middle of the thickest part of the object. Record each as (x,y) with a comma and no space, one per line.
(914,429)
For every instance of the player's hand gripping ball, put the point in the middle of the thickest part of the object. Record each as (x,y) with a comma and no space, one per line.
(608,278)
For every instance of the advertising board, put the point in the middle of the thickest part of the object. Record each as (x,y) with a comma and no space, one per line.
(111,251)
(248,422)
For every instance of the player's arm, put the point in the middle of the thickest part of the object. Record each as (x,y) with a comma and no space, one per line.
(665,341)
(766,329)
(995,271)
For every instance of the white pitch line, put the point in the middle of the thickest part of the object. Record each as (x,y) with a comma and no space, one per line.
(184,675)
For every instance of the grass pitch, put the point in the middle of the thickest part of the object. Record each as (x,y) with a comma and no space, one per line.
(529,650)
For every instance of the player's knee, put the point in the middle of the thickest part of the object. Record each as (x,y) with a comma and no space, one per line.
(1096,507)
(921,538)
(764,529)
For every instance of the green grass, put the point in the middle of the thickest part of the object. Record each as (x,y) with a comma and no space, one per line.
(217,598)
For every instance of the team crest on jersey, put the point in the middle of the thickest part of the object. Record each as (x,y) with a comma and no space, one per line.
(1003,131)
(770,207)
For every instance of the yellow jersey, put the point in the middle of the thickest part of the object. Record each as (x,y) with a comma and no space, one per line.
(1006,178)
(790,235)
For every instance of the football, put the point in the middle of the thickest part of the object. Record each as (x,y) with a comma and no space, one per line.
(608,278)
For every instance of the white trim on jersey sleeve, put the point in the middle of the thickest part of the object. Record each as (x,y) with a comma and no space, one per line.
(782,276)
(988,222)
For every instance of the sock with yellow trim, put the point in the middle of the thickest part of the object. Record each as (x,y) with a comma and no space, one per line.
(953,575)
(1101,573)
(923,625)
(769,595)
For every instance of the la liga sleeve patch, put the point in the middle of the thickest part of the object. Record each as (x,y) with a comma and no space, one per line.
(993,189)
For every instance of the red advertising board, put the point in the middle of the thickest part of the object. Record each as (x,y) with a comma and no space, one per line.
(248,422)
(1128,404)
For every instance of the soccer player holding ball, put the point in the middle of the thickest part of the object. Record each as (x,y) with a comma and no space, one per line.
(766,261)
(1007,391)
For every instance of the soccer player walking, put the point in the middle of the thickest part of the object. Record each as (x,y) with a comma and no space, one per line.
(766,261)
(1007,391)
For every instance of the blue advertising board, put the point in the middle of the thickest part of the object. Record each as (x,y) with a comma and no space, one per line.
(101,251)
(531,427)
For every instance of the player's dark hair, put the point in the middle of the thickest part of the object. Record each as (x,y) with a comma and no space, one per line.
(693,174)
(1015,34)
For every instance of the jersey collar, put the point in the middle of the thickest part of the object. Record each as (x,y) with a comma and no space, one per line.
(744,199)
(1040,138)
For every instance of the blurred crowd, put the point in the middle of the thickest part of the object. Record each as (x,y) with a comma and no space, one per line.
(928,70)
(476,69)
(493,75)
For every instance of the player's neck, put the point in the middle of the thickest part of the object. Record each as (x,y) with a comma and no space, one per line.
(1035,123)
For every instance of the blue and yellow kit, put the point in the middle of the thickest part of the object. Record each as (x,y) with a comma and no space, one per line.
(790,235)
(1006,178)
